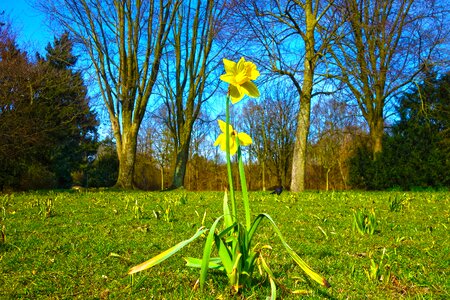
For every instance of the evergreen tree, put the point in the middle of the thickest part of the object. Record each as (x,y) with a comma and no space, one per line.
(73,123)
(422,134)
(47,129)
(18,132)
(417,150)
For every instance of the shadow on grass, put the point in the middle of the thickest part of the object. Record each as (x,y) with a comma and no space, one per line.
(5,247)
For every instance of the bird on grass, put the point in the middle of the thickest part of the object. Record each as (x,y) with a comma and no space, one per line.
(277,190)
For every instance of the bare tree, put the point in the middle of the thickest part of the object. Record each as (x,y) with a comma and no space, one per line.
(189,62)
(255,120)
(271,123)
(124,40)
(293,40)
(199,173)
(335,125)
(162,147)
(384,45)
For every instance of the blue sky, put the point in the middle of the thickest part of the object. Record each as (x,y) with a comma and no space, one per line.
(29,24)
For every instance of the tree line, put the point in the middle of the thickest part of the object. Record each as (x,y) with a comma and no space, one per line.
(334,73)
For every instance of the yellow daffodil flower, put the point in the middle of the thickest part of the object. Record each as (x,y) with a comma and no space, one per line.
(239,76)
(244,139)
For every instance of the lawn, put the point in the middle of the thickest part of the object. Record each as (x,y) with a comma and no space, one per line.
(80,245)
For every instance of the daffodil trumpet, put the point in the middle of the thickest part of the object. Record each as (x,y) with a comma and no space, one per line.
(239,76)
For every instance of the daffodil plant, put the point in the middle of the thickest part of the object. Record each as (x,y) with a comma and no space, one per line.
(237,256)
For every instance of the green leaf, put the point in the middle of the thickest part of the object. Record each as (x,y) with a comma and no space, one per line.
(166,254)
(273,289)
(250,261)
(224,254)
(214,263)
(316,277)
(273,286)
(207,252)
(253,228)
(228,220)
(223,233)
(236,272)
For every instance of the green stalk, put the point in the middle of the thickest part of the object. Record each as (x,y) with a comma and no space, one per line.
(230,174)
(244,188)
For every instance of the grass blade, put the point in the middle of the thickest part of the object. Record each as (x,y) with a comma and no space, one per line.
(166,254)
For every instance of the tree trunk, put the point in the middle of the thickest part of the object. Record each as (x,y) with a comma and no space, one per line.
(304,115)
(341,171)
(263,166)
(327,179)
(126,147)
(180,163)
(376,135)
(301,140)
(162,178)
(127,156)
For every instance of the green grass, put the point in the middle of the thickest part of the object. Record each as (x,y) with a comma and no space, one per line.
(84,247)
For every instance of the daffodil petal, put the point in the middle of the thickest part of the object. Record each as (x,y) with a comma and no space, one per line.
(238,76)
(218,140)
(250,89)
(244,139)
(229,65)
(221,142)
(228,78)
(236,100)
(223,126)
(233,147)
(236,93)
(223,145)
(251,70)
(240,64)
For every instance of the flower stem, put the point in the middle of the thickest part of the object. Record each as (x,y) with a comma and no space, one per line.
(244,188)
(229,171)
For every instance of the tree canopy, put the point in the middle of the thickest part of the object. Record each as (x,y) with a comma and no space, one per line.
(47,127)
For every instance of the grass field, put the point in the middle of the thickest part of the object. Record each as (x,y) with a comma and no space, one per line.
(80,245)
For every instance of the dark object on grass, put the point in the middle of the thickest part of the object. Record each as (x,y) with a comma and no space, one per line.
(277,190)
